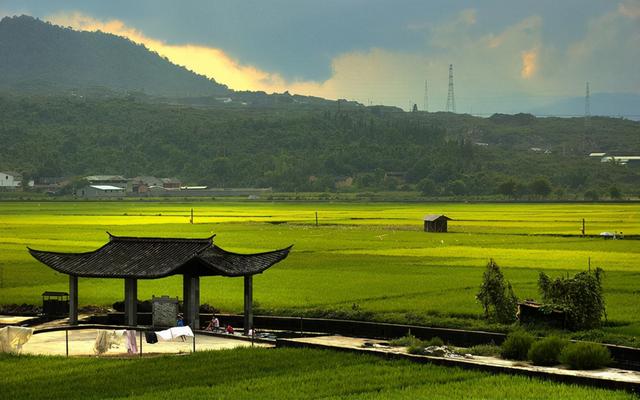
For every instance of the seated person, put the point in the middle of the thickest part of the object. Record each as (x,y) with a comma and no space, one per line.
(214,324)
(229,329)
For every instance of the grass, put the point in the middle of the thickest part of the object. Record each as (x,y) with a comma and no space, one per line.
(365,261)
(267,374)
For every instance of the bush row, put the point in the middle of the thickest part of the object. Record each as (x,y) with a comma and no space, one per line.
(553,350)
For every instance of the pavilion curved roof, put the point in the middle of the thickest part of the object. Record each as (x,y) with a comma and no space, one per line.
(150,258)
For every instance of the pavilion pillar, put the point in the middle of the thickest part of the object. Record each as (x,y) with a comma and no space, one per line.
(186,290)
(131,301)
(248,303)
(194,302)
(73,300)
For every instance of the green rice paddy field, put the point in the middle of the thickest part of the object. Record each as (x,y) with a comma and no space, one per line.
(267,374)
(367,261)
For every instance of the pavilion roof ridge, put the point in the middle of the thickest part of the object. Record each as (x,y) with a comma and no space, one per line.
(288,248)
(151,258)
(113,237)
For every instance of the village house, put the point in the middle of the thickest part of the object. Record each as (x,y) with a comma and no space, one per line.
(171,183)
(10,180)
(109,180)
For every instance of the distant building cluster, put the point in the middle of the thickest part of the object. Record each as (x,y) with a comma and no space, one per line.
(622,160)
(105,186)
(117,186)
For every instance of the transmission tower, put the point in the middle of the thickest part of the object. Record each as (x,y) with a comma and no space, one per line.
(426,96)
(586,138)
(451,101)
(587,105)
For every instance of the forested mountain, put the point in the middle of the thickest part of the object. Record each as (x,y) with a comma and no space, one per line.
(38,56)
(328,148)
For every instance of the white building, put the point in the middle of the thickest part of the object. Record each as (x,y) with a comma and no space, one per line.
(100,191)
(10,180)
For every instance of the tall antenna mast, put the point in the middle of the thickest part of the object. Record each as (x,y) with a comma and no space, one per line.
(587,117)
(587,104)
(426,96)
(451,101)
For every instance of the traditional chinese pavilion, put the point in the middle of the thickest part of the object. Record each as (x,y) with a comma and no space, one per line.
(133,258)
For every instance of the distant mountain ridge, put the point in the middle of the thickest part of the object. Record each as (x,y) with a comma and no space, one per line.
(39,55)
(39,58)
(606,104)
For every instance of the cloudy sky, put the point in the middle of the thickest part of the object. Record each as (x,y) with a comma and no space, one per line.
(507,55)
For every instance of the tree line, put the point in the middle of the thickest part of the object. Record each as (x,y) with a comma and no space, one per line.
(320,149)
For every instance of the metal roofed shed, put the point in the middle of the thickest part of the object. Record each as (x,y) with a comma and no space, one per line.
(99,191)
(436,223)
(133,258)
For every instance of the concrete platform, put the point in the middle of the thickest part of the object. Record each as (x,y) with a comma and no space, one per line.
(81,344)
(606,377)
(13,320)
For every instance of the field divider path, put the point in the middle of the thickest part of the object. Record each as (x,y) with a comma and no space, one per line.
(611,378)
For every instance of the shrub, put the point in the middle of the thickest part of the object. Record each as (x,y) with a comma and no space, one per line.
(547,351)
(580,297)
(434,341)
(406,341)
(585,355)
(416,349)
(516,346)
(489,350)
(496,295)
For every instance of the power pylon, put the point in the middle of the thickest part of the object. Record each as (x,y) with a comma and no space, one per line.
(426,96)
(451,101)
(587,105)
(586,137)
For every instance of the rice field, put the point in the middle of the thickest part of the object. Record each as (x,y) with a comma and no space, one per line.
(253,373)
(370,261)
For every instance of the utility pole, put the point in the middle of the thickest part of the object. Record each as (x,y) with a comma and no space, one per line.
(191,219)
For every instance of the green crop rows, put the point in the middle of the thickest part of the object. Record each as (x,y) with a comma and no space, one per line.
(367,261)
(267,374)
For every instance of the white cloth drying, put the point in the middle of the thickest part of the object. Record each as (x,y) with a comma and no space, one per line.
(13,337)
(169,334)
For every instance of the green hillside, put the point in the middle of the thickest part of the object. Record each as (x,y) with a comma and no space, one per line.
(38,56)
(315,149)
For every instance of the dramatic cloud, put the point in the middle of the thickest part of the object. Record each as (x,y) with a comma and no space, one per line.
(529,63)
(512,68)
(630,9)
(208,61)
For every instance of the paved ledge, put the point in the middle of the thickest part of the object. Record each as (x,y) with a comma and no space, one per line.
(52,341)
(611,378)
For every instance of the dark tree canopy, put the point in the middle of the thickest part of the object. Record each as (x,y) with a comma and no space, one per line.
(581,297)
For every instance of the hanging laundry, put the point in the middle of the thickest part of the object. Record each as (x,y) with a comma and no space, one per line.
(101,344)
(165,335)
(168,335)
(151,337)
(132,345)
(12,338)
(106,340)
(181,331)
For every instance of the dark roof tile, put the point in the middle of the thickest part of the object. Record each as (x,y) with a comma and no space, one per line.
(150,258)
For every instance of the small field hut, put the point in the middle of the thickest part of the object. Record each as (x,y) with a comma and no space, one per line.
(435,223)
